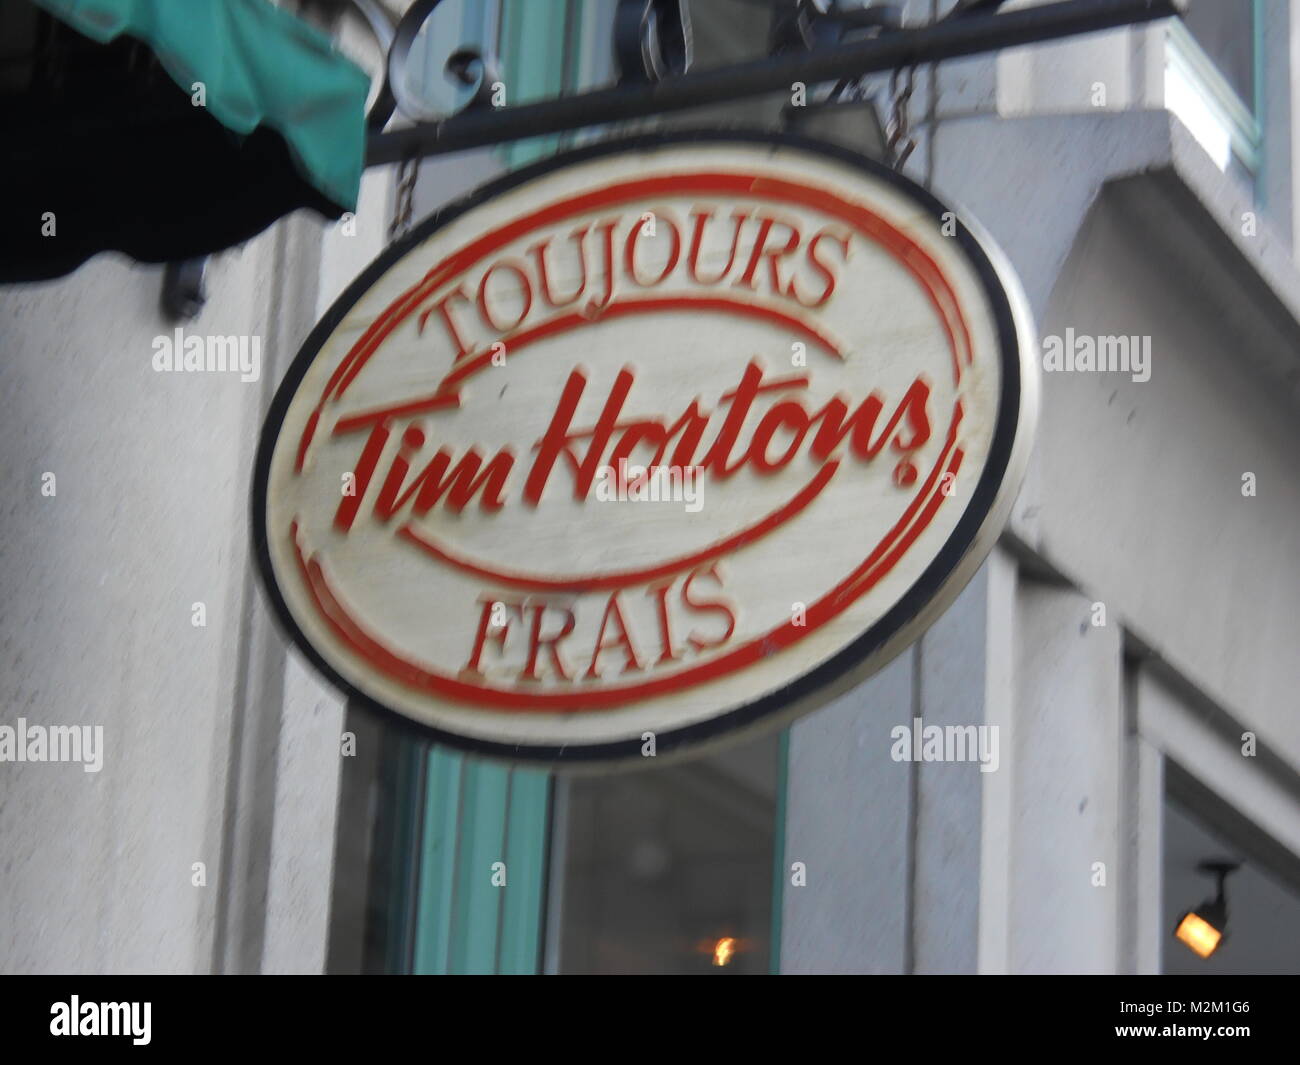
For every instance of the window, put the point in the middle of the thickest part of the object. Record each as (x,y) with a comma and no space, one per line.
(1211,60)
(668,870)
(1263,925)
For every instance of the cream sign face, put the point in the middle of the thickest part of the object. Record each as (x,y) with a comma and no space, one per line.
(662,440)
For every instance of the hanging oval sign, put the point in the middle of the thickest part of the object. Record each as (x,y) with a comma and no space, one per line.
(645,446)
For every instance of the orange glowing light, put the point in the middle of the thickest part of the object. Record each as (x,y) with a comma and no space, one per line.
(1198,934)
(724,950)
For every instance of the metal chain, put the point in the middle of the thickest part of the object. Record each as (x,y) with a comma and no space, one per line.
(898,131)
(407,171)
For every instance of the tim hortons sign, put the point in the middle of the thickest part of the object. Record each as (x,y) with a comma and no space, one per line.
(653,443)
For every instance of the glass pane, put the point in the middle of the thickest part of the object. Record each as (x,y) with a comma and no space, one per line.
(1263,910)
(669,870)
(1225,29)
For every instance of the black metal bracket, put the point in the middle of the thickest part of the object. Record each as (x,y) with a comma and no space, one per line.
(184,289)
(652,40)
(800,25)
(948,38)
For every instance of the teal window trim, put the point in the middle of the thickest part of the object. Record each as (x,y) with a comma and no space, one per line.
(527,846)
(482,867)
(537,45)
(435,894)
(1188,61)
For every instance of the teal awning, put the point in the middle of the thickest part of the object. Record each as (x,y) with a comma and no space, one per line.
(260,66)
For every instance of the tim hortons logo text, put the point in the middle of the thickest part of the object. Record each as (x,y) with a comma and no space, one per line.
(819,363)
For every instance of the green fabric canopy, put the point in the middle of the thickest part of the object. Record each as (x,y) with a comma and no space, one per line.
(259,65)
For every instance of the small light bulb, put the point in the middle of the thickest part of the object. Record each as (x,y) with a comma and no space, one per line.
(1198,934)
(724,950)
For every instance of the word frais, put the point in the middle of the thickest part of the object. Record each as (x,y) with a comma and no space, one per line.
(208,354)
(1098,354)
(686,617)
(779,435)
(766,256)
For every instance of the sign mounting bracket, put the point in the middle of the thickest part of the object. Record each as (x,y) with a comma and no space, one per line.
(972,34)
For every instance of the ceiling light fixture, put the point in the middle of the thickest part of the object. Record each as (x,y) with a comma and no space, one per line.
(1203,929)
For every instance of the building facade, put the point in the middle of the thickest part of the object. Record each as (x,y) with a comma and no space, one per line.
(1129,647)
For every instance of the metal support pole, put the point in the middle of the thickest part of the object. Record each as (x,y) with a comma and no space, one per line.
(947,39)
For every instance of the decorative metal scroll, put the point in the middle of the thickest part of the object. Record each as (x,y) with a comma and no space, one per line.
(470,67)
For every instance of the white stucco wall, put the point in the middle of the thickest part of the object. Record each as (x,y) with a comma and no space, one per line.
(1118,225)
(97,585)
